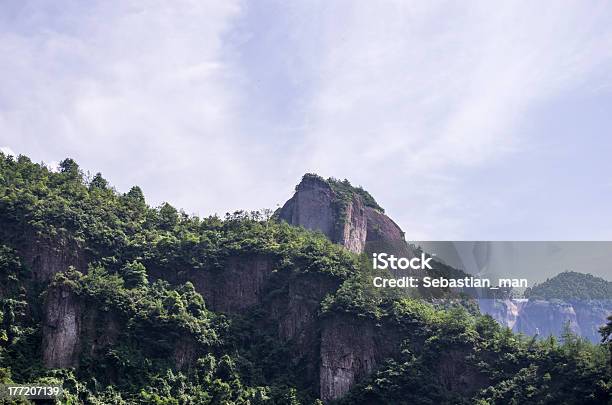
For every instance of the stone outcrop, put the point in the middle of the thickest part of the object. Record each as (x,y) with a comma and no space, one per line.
(590,316)
(61,329)
(344,219)
(47,257)
(350,350)
(544,318)
(381,227)
(505,311)
(234,288)
(72,328)
(353,229)
(317,207)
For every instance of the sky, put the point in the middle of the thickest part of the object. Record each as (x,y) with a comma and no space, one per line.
(466,121)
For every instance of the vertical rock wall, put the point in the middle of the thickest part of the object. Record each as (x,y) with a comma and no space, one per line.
(61,329)
(350,223)
(236,287)
(350,350)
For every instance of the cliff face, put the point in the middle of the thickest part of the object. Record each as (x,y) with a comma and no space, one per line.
(291,303)
(234,288)
(504,311)
(312,207)
(47,257)
(317,207)
(544,318)
(72,328)
(75,328)
(354,227)
(350,350)
(345,219)
(381,227)
(61,329)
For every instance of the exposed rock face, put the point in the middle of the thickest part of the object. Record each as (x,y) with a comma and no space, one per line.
(457,375)
(381,227)
(61,329)
(72,327)
(316,206)
(312,207)
(47,257)
(545,318)
(590,316)
(291,302)
(505,311)
(234,288)
(350,350)
(354,227)
(350,223)
(297,311)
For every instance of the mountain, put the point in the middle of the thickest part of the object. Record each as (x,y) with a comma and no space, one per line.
(122,303)
(347,215)
(572,286)
(580,302)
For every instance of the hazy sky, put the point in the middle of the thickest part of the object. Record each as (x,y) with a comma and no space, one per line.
(471,120)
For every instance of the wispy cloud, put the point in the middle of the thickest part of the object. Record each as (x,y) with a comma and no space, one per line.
(138,90)
(412,93)
(216,106)
(7,151)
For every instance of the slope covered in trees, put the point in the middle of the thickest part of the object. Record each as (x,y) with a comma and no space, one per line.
(175,309)
(571,286)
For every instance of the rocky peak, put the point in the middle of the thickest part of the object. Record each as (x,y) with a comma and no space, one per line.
(347,215)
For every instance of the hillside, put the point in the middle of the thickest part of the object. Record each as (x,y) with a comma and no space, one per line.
(571,286)
(128,304)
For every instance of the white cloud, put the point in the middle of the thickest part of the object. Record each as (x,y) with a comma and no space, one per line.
(142,91)
(409,93)
(7,151)
(217,106)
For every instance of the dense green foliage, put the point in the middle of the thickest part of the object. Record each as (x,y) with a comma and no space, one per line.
(517,369)
(164,345)
(571,285)
(124,241)
(345,190)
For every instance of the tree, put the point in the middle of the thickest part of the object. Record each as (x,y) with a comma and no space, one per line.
(606,336)
(69,166)
(136,194)
(134,274)
(98,182)
(168,217)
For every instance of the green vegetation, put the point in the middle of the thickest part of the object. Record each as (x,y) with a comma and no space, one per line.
(571,285)
(345,190)
(148,336)
(447,354)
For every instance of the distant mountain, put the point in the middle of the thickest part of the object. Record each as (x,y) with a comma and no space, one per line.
(579,301)
(571,285)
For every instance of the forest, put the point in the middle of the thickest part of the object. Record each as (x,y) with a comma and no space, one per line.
(154,329)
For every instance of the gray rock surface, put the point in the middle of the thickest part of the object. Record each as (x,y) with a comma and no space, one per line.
(234,288)
(544,318)
(357,227)
(47,257)
(350,350)
(61,329)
